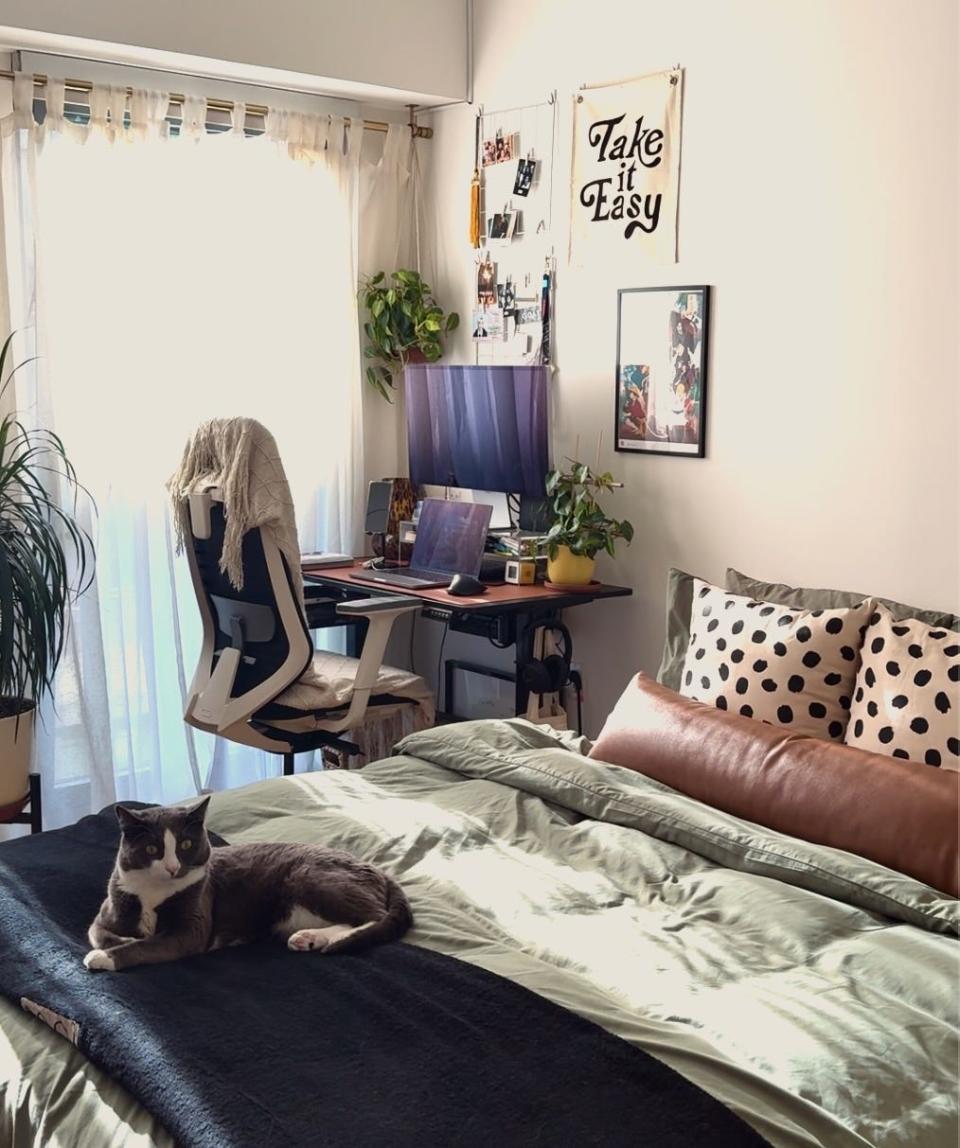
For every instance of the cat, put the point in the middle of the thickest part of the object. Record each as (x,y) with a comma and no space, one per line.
(171,895)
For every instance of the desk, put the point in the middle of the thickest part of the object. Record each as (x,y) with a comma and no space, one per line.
(506,615)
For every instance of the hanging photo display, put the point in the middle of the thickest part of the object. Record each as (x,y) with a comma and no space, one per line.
(626,165)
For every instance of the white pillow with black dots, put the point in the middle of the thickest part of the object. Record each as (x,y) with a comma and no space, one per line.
(906,700)
(777,664)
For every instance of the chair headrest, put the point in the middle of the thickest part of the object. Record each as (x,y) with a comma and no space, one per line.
(238,458)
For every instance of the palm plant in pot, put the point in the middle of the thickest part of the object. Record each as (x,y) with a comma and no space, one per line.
(581,529)
(406,325)
(46,559)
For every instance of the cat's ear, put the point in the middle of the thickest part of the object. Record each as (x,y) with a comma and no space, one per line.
(198,812)
(128,818)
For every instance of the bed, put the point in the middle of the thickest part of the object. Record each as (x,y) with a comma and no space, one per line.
(755,964)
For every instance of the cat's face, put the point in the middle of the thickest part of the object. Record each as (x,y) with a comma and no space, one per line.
(168,842)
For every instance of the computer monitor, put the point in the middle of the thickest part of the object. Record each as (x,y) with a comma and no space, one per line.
(450,537)
(483,428)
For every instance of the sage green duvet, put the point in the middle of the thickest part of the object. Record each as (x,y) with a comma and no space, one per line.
(813,992)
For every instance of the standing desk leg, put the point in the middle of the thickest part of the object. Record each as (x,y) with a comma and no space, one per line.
(523,652)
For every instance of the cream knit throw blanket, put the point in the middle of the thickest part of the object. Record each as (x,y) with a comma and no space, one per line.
(240,457)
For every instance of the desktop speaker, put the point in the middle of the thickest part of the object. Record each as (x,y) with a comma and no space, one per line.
(379,499)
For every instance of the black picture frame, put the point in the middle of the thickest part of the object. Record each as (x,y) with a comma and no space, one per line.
(652,414)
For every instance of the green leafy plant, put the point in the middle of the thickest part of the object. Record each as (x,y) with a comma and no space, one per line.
(404,318)
(46,559)
(579,521)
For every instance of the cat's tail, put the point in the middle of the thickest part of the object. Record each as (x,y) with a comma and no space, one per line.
(396,920)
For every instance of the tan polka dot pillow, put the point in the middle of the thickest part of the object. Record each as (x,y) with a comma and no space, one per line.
(781,665)
(906,701)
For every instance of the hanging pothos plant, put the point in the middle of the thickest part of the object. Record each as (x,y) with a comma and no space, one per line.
(406,324)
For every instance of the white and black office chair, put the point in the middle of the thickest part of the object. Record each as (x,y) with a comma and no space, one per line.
(259,680)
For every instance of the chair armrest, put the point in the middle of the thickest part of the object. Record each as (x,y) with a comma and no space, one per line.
(366,607)
(381,613)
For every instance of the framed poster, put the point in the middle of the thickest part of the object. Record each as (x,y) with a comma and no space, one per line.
(661,381)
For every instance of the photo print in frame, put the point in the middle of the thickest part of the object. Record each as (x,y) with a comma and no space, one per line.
(661,376)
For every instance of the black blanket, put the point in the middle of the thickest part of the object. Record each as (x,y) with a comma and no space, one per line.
(263,1047)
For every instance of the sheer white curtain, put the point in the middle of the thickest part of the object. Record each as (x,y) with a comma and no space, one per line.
(166,278)
(394,233)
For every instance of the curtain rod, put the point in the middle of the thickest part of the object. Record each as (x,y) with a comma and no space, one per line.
(40,81)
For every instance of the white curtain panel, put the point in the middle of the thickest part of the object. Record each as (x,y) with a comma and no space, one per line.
(390,191)
(165,277)
(394,232)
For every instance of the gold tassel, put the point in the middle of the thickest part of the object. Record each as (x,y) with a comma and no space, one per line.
(475,208)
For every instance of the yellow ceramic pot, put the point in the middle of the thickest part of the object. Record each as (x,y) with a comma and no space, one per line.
(569,569)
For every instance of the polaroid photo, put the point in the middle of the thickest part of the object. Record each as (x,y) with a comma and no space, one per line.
(525,173)
(487,324)
(501,225)
(528,314)
(501,149)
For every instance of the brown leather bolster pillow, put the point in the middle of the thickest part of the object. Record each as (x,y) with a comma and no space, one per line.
(898,813)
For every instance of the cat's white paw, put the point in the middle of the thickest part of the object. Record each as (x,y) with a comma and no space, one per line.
(98,959)
(306,939)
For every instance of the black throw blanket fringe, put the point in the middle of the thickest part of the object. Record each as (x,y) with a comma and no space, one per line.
(398,1047)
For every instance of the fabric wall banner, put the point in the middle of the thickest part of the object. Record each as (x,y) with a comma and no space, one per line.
(626,167)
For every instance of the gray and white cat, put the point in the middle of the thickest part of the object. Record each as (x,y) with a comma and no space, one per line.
(170,895)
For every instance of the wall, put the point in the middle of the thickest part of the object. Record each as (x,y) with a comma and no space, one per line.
(420,46)
(819,199)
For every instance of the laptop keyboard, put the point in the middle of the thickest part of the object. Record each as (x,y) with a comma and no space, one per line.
(392,579)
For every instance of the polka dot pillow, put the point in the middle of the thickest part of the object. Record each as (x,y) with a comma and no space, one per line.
(781,665)
(906,702)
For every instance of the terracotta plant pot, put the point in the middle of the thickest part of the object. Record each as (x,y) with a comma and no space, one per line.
(570,569)
(16,753)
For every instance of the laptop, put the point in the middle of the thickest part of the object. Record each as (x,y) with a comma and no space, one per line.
(451,537)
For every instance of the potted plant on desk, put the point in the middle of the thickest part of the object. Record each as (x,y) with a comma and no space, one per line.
(406,325)
(580,528)
(43,554)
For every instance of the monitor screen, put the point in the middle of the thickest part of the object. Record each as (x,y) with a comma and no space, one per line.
(483,428)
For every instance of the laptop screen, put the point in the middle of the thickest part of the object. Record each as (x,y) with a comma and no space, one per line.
(451,537)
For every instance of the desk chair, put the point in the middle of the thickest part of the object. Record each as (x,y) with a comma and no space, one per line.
(259,680)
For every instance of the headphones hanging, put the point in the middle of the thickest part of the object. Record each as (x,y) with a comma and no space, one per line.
(550,674)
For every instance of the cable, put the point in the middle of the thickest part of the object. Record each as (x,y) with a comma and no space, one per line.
(413,630)
(443,642)
(577,681)
(513,510)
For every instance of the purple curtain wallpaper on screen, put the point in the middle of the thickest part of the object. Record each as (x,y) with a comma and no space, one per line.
(483,428)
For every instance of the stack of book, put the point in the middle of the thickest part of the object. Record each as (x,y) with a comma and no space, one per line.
(516,544)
